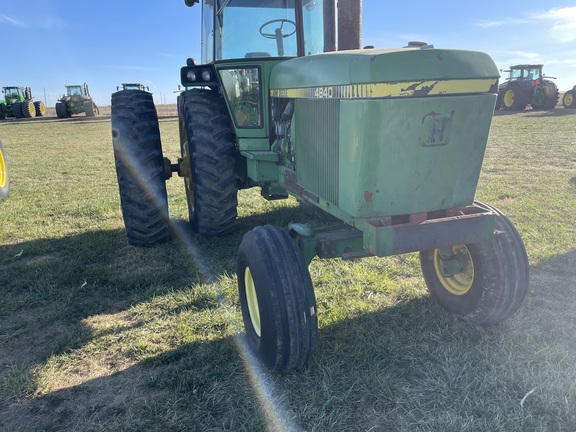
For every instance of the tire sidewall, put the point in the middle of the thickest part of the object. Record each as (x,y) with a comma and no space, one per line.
(264,345)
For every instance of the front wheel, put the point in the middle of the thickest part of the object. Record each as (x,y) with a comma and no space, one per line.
(484,283)
(277,299)
(61,110)
(140,168)
(4,174)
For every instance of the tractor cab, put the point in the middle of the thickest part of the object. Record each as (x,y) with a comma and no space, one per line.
(235,29)
(15,94)
(525,72)
(74,91)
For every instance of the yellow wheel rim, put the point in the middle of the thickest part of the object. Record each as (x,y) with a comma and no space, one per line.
(568,99)
(252,300)
(509,98)
(3,173)
(460,283)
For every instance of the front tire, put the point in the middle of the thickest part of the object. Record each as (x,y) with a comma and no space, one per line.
(4,174)
(17,110)
(140,168)
(90,109)
(493,279)
(277,299)
(208,143)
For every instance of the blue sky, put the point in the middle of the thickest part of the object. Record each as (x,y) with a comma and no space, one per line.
(51,43)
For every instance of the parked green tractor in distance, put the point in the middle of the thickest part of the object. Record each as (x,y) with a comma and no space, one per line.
(388,142)
(4,173)
(569,98)
(18,102)
(526,85)
(133,86)
(77,100)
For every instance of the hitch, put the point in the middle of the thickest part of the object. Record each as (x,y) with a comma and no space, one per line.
(170,168)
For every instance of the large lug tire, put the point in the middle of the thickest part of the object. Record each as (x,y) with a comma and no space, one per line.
(547,97)
(28,109)
(17,110)
(61,110)
(90,109)
(513,98)
(140,168)
(493,280)
(209,144)
(40,108)
(569,99)
(277,299)
(4,174)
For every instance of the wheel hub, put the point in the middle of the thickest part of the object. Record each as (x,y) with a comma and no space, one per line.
(252,301)
(455,282)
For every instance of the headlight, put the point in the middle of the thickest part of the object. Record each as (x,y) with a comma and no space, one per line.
(191,75)
(206,76)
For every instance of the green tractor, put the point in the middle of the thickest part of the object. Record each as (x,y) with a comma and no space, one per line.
(133,86)
(77,100)
(387,142)
(4,174)
(526,85)
(569,98)
(18,102)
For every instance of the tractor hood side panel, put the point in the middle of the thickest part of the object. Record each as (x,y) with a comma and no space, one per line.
(389,132)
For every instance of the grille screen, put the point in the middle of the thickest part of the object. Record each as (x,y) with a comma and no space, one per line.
(317,124)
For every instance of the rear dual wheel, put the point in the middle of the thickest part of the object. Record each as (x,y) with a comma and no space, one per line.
(140,168)
(40,108)
(277,299)
(28,109)
(492,279)
(208,144)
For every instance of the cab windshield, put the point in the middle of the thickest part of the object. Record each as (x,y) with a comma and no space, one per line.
(74,91)
(233,29)
(11,92)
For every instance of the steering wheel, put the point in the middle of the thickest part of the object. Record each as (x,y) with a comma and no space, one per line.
(278,32)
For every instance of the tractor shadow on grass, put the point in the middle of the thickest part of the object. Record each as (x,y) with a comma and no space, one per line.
(403,366)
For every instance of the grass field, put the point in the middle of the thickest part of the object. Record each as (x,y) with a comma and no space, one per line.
(96,335)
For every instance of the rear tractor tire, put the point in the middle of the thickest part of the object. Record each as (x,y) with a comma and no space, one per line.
(493,277)
(90,109)
(140,168)
(40,108)
(61,110)
(277,299)
(513,98)
(208,143)
(28,109)
(569,99)
(4,174)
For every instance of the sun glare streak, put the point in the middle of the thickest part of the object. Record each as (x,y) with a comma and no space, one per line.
(276,416)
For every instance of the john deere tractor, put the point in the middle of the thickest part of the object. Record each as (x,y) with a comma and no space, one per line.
(569,98)
(18,102)
(526,85)
(77,100)
(4,174)
(388,142)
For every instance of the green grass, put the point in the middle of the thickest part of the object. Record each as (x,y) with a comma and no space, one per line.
(96,335)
